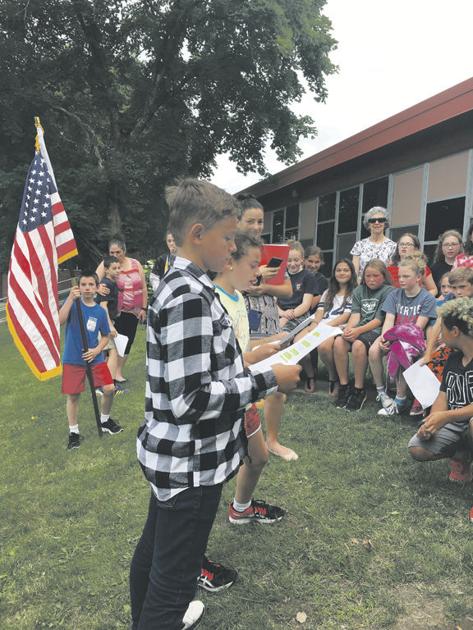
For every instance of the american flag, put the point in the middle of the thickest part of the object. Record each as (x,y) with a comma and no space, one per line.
(43,239)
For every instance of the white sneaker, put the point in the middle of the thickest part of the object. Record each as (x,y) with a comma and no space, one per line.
(389,410)
(385,400)
(193,614)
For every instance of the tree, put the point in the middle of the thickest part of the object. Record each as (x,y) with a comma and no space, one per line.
(135,93)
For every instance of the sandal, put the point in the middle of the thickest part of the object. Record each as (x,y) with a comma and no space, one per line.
(310,384)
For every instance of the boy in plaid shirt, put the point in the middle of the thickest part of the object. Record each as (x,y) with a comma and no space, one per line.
(196,391)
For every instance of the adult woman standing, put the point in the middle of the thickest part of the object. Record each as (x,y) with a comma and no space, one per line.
(377,245)
(408,245)
(449,246)
(132,298)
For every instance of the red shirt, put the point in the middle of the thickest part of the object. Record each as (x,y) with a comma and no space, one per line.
(394,273)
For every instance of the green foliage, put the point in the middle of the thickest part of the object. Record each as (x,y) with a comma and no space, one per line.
(71,520)
(134,94)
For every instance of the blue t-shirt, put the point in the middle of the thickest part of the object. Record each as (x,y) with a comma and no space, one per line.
(95,321)
(408,309)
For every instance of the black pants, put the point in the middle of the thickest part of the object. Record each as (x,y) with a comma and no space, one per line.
(168,557)
(126,324)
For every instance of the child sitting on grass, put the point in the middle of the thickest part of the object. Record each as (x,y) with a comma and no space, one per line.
(446,432)
(237,275)
(334,309)
(296,308)
(75,358)
(361,331)
(410,304)
(197,389)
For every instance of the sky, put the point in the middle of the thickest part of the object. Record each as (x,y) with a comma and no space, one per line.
(391,55)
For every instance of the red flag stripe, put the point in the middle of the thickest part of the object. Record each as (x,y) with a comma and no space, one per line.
(26,341)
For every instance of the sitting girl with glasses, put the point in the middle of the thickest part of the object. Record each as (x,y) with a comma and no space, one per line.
(377,245)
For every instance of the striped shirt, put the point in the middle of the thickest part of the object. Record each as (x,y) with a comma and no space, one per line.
(196,387)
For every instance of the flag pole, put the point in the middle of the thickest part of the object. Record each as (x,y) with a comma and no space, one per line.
(88,366)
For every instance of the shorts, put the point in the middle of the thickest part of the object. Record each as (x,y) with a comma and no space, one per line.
(446,441)
(73,377)
(111,344)
(251,421)
(367,338)
(293,323)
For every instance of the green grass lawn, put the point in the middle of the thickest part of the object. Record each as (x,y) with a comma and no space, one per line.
(371,540)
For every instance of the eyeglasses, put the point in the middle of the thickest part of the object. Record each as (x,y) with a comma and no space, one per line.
(450,244)
(377,220)
(406,245)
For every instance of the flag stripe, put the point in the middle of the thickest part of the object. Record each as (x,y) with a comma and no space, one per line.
(43,239)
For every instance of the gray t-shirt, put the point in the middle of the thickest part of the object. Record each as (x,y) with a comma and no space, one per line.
(408,309)
(368,303)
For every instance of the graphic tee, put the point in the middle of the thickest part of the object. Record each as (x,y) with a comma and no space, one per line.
(408,309)
(368,303)
(339,307)
(95,321)
(457,382)
(302,282)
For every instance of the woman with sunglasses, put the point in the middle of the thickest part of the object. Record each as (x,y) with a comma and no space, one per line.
(377,245)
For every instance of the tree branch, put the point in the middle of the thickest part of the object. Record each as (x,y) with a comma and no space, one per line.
(87,129)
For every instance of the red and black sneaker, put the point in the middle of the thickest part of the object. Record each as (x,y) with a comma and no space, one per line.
(258,512)
(214,577)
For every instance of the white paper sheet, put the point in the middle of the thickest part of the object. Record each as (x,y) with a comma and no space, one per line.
(423,383)
(120,344)
(296,352)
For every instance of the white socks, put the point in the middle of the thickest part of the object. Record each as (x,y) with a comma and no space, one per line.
(74,428)
(104,418)
(241,507)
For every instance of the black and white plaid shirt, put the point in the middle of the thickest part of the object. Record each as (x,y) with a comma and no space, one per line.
(196,387)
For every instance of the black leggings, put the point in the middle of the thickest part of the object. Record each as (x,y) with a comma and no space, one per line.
(126,324)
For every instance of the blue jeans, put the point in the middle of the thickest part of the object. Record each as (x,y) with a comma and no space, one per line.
(168,557)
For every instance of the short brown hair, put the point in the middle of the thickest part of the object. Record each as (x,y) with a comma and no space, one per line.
(461,274)
(197,201)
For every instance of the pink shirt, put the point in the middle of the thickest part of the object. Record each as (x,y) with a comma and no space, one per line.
(463,260)
(130,287)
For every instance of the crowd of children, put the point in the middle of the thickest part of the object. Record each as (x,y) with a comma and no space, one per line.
(214,314)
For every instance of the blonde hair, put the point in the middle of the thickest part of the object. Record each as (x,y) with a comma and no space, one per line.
(459,313)
(297,246)
(416,262)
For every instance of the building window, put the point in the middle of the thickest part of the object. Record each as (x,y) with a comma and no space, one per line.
(348,211)
(278,226)
(285,224)
(396,233)
(292,222)
(443,215)
(326,227)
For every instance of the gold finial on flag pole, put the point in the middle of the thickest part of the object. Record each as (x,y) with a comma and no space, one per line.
(37,124)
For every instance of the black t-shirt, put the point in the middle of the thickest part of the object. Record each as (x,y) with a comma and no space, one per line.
(302,282)
(162,264)
(111,298)
(457,381)
(438,269)
(321,283)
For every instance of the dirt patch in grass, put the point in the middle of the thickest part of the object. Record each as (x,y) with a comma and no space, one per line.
(424,609)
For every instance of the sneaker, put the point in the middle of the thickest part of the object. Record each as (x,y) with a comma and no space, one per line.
(258,512)
(356,399)
(193,614)
(342,398)
(393,409)
(214,577)
(384,399)
(111,427)
(74,441)
(416,409)
(460,471)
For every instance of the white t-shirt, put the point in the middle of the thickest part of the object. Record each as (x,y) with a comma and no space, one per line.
(337,309)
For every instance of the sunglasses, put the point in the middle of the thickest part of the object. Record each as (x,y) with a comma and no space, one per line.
(378,220)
